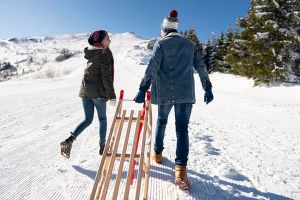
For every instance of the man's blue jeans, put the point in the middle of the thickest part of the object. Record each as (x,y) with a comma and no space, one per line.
(88,107)
(182,118)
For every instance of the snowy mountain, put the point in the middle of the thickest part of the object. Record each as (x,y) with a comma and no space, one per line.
(19,57)
(244,145)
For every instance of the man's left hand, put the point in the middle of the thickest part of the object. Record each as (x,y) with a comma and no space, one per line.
(208,96)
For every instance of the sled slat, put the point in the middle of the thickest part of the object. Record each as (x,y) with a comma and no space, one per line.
(123,156)
(127,156)
(99,173)
(148,153)
(134,119)
(141,161)
(113,158)
(127,187)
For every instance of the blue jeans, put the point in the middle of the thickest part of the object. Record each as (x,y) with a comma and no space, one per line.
(88,107)
(182,118)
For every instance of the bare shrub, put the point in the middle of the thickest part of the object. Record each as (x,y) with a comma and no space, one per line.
(64,55)
(67,71)
(50,73)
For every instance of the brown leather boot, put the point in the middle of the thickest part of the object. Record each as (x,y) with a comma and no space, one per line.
(181,179)
(157,157)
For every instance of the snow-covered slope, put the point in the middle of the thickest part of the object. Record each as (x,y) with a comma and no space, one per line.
(244,145)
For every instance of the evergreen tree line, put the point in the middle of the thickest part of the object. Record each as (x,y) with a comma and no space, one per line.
(266,48)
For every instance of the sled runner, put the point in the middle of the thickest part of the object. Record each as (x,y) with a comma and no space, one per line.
(123,150)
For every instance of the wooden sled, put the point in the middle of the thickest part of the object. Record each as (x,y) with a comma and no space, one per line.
(105,180)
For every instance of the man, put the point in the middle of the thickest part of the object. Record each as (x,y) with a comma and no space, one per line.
(171,72)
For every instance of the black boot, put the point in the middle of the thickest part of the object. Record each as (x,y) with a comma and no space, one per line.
(102,146)
(66,146)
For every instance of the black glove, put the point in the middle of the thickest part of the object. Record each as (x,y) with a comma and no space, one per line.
(208,96)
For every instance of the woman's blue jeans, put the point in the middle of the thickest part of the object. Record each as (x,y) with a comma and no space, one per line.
(88,107)
(182,118)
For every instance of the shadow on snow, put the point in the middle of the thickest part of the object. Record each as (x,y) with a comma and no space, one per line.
(202,185)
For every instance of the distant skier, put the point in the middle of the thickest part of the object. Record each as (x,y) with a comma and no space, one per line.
(96,88)
(171,72)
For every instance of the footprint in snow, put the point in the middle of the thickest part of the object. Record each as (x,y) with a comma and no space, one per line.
(46,127)
(207,138)
(62,171)
(210,150)
(233,174)
(7,137)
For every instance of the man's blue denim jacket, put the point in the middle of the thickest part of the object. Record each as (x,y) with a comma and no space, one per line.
(171,71)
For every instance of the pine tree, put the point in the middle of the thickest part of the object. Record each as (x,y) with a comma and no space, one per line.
(222,49)
(192,35)
(185,33)
(208,56)
(267,49)
(293,21)
(229,49)
(235,53)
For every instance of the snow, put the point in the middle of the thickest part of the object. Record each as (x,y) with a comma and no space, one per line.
(289,32)
(262,14)
(259,7)
(261,36)
(272,23)
(276,4)
(243,145)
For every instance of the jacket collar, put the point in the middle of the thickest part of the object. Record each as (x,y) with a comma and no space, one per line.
(94,48)
(173,34)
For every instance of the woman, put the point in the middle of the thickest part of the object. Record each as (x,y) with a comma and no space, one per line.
(96,88)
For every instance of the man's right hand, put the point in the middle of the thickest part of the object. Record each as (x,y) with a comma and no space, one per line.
(140,97)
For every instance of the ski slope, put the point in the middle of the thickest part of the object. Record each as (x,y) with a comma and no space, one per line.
(244,145)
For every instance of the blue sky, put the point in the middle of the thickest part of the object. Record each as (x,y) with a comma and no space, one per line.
(46,18)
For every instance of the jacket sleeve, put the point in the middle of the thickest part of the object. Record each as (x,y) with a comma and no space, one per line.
(107,77)
(200,67)
(152,67)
